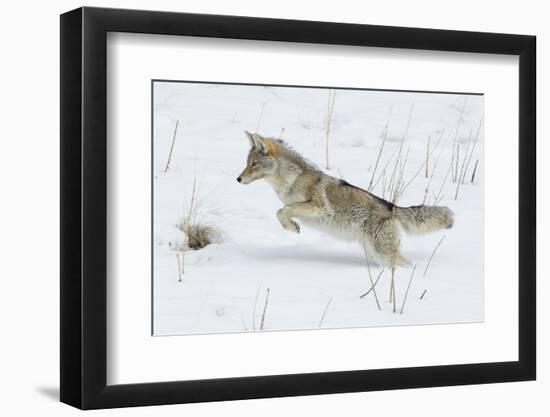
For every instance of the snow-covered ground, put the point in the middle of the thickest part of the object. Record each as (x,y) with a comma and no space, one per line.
(311,277)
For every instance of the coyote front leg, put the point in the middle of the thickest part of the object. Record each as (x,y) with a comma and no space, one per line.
(303,209)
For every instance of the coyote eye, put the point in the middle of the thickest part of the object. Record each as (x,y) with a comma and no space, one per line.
(254,164)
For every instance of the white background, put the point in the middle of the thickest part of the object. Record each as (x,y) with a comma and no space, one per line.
(29,167)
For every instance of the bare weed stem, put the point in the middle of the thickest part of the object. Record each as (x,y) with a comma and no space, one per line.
(167,167)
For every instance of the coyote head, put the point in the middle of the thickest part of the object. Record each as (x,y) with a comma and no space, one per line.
(261,161)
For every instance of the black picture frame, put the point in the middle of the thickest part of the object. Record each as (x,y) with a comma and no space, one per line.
(84,207)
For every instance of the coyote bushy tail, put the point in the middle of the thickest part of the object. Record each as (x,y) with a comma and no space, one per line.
(419,220)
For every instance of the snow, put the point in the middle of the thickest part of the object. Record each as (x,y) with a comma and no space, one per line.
(224,285)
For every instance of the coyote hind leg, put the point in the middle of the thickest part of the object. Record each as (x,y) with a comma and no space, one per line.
(386,241)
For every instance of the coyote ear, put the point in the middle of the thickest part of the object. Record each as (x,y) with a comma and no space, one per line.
(260,144)
(257,142)
(250,137)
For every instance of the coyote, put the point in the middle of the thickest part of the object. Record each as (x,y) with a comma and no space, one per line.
(335,206)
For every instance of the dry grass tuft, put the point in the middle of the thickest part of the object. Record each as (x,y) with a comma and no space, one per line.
(199,236)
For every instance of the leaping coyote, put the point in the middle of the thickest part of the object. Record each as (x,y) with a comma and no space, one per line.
(335,206)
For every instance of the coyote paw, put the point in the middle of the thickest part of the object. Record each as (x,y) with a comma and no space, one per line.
(287,222)
(293,227)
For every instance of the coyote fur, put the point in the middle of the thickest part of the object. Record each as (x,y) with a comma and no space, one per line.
(335,206)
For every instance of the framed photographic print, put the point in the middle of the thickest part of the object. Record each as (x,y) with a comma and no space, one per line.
(258,207)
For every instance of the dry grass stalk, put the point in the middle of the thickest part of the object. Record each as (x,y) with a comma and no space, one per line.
(179,266)
(476,140)
(254,309)
(282,131)
(398,161)
(427,189)
(474,173)
(193,199)
(461,175)
(265,309)
(372,286)
(434,169)
(459,121)
(423,294)
(438,200)
(395,172)
(468,163)
(370,277)
(432,255)
(385,136)
(260,117)
(468,144)
(167,167)
(390,160)
(330,110)
(427,158)
(187,223)
(244,323)
(198,234)
(395,191)
(408,121)
(384,184)
(392,280)
(191,211)
(438,195)
(400,188)
(424,164)
(453,163)
(456,161)
(392,287)
(407,291)
(395,195)
(325,313)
